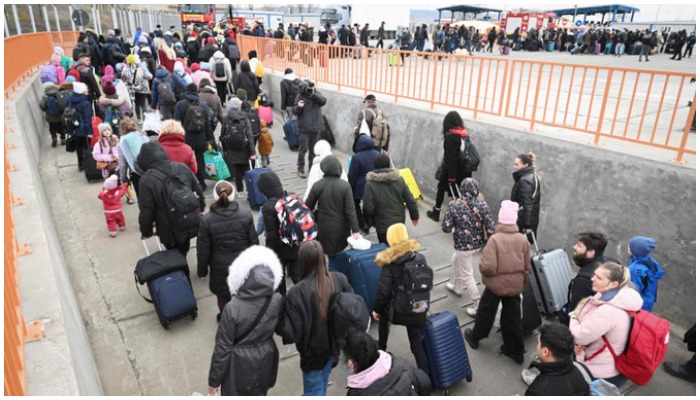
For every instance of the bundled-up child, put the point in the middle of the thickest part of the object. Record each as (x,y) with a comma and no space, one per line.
(265,144)
(106,150)
(111,196)
(645,272)
(53,113)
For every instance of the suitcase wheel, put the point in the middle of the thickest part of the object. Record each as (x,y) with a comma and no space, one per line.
(445,392)
(194,315)
(166,324)
(469,378)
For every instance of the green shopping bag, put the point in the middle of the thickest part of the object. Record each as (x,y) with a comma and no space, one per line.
(215,166)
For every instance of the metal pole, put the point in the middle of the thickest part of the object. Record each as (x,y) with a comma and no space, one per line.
(114,19)
(46,19)
(31,17)
(70,16)
(7,31)
(17,27)
(80,21)
(96,22)
(55,14)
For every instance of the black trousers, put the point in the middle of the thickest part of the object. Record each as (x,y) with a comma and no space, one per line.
(201,169)
(511,322)
(289,267)
(307,141)
(415,339)
(81,144)
(140,104)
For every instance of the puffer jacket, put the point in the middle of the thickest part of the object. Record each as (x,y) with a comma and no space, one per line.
(240,155)
(388,376)
(505,262)
(336,209)
(103,151)
(271,186)
(162,75)
(392,261)
(174,145)
(218,55)
(252,278)
(362,163)
(526,192)
(384,198)
(208,95)
(153,160)
(467,216)
(223,234)
(301,322)
(119,101)
(247,81)
(43,104)
(136,78)
(646,273)
(83,107)
(194,140)
(598,318)
(310,116)
(451,145)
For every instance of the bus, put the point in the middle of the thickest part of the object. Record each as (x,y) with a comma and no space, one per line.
(197,14)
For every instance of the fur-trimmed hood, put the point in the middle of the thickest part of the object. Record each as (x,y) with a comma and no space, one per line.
(383,175)
(256,272)
(393,253)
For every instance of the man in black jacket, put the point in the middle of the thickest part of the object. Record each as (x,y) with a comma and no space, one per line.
(87,75)
(587,255)
(307,107)
(198,131)
(153,206)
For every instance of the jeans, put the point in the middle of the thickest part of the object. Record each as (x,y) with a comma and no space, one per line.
(689,367)
(415,339)
(511,322)
(644,52)
(307,141)
(316,382)
(620,49)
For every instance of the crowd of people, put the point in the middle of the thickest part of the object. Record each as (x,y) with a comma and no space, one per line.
(122,82)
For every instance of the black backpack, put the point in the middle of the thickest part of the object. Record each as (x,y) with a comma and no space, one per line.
(346,311)
(70,116)
(62,97)
(234,136)
(219,68)
(166,96)
(254,120)
(413,293)
(52,107)
(293,90)
(468,156)
(192,48)
(182,203)
(195,118)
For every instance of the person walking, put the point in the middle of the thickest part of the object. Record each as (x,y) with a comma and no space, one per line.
(380,36)
(646,45)
(689,44)
(307,108)
(196,117)
(237,141)
(80,127)
(361,163)
(172,138)
(527,193)
(677,46)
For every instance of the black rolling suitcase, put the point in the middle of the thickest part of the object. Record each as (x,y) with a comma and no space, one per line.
(92,174)
(167,275)
(532,319)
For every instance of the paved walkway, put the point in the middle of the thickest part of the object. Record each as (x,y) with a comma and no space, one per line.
(136,356)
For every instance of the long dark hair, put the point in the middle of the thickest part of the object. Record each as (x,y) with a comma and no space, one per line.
(313,262)
(451,120)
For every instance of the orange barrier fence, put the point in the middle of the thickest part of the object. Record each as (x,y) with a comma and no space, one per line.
(634,105)
(23,54)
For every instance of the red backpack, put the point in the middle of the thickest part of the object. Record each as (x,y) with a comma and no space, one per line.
(647,344)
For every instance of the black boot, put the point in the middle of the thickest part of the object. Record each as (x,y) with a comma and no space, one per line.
(54,142)
(434,214)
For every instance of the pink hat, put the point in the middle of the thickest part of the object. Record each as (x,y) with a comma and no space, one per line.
(111,182)
(508,215)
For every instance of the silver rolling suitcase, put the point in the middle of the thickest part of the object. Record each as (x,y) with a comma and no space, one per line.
(551,274)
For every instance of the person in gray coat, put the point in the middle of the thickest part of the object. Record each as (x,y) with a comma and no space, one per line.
(246,364)
(307,108)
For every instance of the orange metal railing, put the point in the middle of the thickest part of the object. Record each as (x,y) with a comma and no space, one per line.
(633,105)
(23,54)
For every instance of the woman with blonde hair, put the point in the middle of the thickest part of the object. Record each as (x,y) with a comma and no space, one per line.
(172,138)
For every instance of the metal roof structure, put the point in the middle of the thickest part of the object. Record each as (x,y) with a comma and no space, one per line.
(613,9)
(468,10)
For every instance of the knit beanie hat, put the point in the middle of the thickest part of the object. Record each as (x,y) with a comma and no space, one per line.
(103,127)
(112,182)
(131,59)
(322,148)
(109,71)
(205,66)
(79,87)
(59,51)
(108,87)
(242,94)
(194,67)
(396,234)
(508,215)
(234,104)
(641,246)
(210,40)
(70,79)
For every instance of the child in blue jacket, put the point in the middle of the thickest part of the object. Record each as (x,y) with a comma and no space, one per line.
(644,270)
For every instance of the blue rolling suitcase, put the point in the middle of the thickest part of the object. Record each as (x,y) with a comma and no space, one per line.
(291,133)
(255,197)
(446,352)
(361,270)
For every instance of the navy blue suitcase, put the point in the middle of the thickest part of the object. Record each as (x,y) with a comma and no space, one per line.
(173,297)
(446,352)
(361,270)
(291,133)
(255,197)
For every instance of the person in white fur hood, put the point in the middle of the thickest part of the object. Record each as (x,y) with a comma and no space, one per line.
(246,358)
(322,149)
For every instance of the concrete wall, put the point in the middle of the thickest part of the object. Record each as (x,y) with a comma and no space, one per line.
(583,187)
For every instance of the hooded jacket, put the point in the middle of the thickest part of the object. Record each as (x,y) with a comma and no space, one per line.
(287,92)
(129,148)
(218,55)
(362,163)
(83,107)
(310,117)
(162,75)
(103,151)
(153,160)
(194,140)
(247,81)
(271,186)
(51,90)
(322,149)
(208,95)
(176,149)
(200,74)
(384,198)
(526,192)
(598,318)
(388,376)
(467,216)
(505,262)
(558,378)
(645,273)
(451,144)
(240,155)
(249,367)
(336,217)
(392,261)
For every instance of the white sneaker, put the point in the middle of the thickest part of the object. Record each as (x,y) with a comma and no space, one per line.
(528,376)
(456,290)
(471,311)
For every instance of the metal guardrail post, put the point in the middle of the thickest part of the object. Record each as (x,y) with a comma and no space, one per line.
(46,18)
(537,96)
(70,17)
(686,132)
(18,28)
(432,96)
(55,14)
(31,17)
(599,128)
(7,30)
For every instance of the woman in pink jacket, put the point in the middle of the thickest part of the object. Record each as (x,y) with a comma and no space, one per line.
(604,315)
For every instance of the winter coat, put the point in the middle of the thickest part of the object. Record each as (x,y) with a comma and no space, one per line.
(247,81)
(194,140)
(315,173)
(165,61)
(119,101)
(136,79)
(269,184)
(223,234)
(240,155)
(467,216)
(174,145)
(103,151)
(154,162)
(451,144)
(645,273)
(112,199)
(227,45)
(208,95)
(384,198)
(83,107)
(505,262)
(392,261)
(218,55)
(310,116)
(198,75)
(265,143)
(388,376)
(162,75)
(581,287)
(129,148)
(248,368)
(43,104)
(301,322)
(526,192)
(287,92)
(598,318)
(362,163)
(336,217)
(558,378)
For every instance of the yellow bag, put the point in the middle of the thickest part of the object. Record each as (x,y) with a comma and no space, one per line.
(407,176)
(259,69)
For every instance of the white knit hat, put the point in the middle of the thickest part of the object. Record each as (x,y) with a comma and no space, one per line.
(79,87)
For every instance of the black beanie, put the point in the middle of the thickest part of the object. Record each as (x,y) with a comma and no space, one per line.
(191,88)
(382,161)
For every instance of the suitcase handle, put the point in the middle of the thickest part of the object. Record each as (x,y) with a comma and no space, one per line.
(459,195)
(145,247)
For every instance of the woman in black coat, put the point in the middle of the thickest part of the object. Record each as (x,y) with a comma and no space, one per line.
(247,81)
(453,131)
(526,192)
(224,233)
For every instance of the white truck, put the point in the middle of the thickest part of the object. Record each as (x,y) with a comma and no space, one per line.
(393,15)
